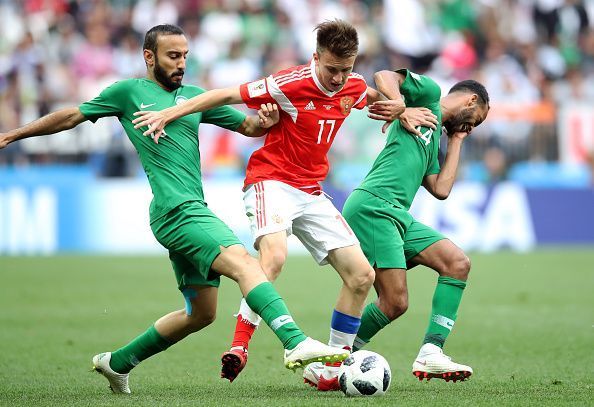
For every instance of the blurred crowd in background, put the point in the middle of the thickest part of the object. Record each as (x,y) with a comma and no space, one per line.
(536,58)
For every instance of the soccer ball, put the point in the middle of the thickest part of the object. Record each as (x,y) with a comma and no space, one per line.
(364,373)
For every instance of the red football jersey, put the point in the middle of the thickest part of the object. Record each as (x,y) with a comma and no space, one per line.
(296,148)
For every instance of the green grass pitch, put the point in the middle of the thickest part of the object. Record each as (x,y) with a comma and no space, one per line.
(526,326)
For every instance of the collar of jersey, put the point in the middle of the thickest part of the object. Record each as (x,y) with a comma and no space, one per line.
(321,87)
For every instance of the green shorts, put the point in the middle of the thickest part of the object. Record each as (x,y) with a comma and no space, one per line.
(193,235)
(390,237)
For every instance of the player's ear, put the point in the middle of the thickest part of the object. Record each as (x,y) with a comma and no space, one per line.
(472,100)
(316,56)
(149,57)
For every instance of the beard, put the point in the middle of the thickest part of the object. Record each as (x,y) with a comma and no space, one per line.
(167,80)
(460,123)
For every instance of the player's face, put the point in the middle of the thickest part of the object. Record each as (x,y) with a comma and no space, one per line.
(466,119)
(333,71)
(170,60)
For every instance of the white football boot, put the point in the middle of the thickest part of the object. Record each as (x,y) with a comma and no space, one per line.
(118,383)
(310,351)
(322,376)
(312,373)
(431,362)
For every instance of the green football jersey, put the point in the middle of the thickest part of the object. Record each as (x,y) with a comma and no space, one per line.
(399,169)
(173,165)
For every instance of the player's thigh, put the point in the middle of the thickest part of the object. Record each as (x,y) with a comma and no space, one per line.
(321,228)
(236,263)
(446,258)
(194,237)
(380,228)
(271,207)
(428,247)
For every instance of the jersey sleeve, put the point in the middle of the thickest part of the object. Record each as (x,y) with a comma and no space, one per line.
(419,90)
(361,101)
(110,102)
(433,167)
(256,93)
(226,117)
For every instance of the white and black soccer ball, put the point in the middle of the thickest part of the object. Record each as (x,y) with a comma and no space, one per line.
(364,373)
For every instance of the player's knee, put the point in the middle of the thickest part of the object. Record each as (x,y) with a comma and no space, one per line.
(361,281)
(202,319)
(459,267)
(397,306)
(208,318)
(273,262)
(238,263)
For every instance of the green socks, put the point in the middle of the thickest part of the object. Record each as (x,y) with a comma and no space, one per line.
(265,301)
(140,348)
(372,321)
(446,301)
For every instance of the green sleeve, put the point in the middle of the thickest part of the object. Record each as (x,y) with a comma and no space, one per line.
(433,167)
(108,103)
(224,116)
(419,90)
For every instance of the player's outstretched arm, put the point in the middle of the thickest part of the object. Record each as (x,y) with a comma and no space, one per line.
(156,121)
(256,126)
(440,185)
(55,122)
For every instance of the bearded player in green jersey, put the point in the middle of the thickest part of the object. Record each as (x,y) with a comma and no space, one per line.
(201,247)
(391,238)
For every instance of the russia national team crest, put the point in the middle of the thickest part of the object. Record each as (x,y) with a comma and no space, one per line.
(346,102)
(180,99)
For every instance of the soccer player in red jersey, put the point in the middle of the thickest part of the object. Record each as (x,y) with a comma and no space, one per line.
(282,188)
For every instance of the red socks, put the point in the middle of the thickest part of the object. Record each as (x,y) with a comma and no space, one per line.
(244,330)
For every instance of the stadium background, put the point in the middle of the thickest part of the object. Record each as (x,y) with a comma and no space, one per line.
(526,174)
(81,273)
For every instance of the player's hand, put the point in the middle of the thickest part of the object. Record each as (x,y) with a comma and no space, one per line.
(462,131)
(4,141)
(413,118)
(388,110)
(154,120)
(268,115)
(460,135)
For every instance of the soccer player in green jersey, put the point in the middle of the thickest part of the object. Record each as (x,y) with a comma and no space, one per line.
(392,240)
(201,247)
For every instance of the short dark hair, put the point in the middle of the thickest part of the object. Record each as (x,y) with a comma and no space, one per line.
(338,37)
(471,86)
(150,39)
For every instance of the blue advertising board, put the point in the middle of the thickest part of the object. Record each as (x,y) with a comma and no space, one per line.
(65,210)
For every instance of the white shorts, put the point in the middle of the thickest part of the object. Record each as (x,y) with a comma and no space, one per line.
(273,206)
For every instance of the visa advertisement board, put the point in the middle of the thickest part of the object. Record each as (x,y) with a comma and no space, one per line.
(63,212)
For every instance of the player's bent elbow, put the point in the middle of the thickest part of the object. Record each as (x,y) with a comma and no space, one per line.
(380,74)
(441,195)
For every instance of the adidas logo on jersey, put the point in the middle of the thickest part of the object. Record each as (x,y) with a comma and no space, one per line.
(310,106)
